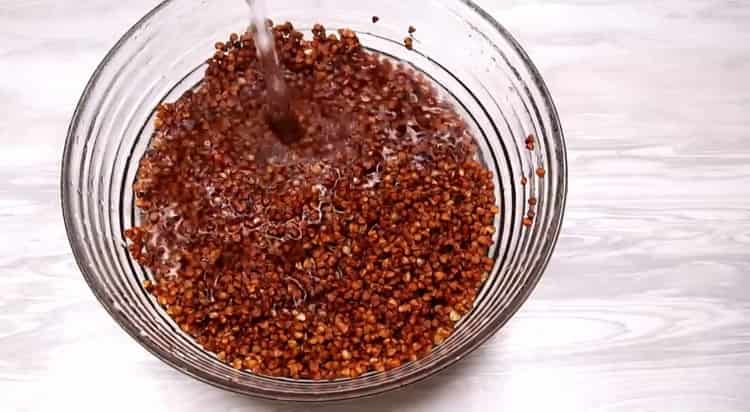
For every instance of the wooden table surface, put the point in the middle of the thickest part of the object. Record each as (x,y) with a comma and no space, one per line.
(645,306)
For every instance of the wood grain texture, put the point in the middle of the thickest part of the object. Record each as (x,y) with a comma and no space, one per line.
(644,307)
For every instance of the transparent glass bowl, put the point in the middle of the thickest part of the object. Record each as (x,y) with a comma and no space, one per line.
(472,57)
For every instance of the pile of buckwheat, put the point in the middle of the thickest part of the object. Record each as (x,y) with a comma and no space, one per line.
(355,249)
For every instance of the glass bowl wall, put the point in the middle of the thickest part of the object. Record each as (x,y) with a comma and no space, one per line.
(473,59)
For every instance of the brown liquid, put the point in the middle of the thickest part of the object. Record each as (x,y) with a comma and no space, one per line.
(280,116)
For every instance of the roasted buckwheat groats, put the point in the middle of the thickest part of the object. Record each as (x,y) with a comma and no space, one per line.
(355,249)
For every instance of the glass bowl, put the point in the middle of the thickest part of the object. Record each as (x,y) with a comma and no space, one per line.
(472,58)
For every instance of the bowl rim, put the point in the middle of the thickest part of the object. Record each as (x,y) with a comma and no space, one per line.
(513,306)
